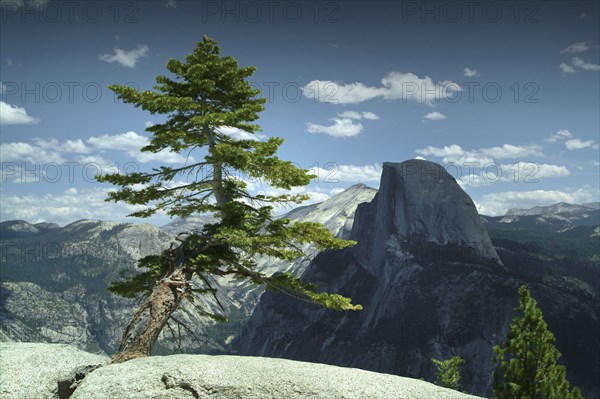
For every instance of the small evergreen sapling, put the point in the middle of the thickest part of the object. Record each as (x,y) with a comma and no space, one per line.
(527,365)
(447,374)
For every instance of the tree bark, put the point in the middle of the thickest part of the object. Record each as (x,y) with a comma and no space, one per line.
(151,317)
(147,323)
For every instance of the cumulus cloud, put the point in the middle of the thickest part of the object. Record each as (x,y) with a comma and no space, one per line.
(586,66)
(409,87)
(453,150)
(577,144)
(240,134)
(435,116)
(339,93)
(512,151)
(126,58)
(336,173)
(342,127)
(15,115)
(518,172)
(359,115)
(558,136)
(41,150)
(470,73)
(20,151)
(479,166)
(578,47)
(455,153)
(131,143)
(395,86)
(65,207)
(566,68)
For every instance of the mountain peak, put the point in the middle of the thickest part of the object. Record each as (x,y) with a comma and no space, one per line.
(420,202)
(560,207)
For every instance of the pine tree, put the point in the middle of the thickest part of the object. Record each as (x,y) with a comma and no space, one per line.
(447,374)
(527,365)
(209,92)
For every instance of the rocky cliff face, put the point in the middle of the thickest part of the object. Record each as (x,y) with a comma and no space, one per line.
(432,286)
(54,281)
(420,204)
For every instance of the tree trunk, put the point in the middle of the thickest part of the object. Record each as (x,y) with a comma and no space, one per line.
(147,323)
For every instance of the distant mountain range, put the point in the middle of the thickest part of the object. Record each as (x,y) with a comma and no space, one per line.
(54,279)
(54,283)
(556,217)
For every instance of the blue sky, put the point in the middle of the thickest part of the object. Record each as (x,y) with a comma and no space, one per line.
(505,95)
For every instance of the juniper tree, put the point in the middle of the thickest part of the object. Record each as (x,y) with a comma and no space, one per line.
(207,93)
(527,365)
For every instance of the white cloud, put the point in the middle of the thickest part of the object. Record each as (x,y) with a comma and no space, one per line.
(338,93)
(455,154)
(343,124)
(586,66)
(518,172)
(96,164)
(41,150)
(453,150)
(558,136)
(348,173)
(75,146)
(126,58)
(148,124)
(65,207)
(239,134)
(577,144)
(342,127)
(435,116)
(20,151)
(170,4)
(15,115)
(131,143)
(578,47)
(498,203)
(566,68)
(359,115)
(396,86)
(408,86)
(512,151)
(470,73)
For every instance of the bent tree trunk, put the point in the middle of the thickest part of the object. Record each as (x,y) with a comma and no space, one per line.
(151,317)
